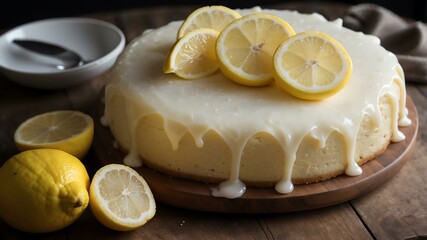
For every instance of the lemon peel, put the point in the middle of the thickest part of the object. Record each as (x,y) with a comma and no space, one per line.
(70,131)
(120,198)
(193,56)
(246,46)
(213,17)
(43,190)
(312,66)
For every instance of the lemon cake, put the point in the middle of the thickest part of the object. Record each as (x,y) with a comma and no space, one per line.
(215,130)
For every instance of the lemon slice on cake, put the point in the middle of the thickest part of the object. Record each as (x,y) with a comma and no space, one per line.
(312,65)
(120,198)
(70,131)
(193,56)
(213,17)
(246,46)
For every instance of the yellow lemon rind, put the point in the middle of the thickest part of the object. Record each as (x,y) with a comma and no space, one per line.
(171,64)
(287,85)
(43,190)
(184,29)
(78,145)
(104,215)
(232,72)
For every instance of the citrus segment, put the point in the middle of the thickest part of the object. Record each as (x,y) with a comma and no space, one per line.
(245,48)
(70,131)
(120,198)
(213,17)
(312,66)
(193,56)
(43,190)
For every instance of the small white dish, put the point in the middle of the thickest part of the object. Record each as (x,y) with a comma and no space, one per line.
(95,40)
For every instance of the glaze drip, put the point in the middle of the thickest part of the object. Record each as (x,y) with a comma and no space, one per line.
(238,113)
(132,158)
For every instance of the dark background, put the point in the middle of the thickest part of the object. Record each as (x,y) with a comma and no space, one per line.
(16,12)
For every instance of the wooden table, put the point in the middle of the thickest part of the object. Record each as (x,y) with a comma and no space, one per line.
(395,210)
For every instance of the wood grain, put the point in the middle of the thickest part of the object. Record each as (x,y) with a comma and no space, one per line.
(398,209)
(177,223)
(395,210)
(196,195)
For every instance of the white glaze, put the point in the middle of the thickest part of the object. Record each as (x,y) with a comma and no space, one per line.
(236,113)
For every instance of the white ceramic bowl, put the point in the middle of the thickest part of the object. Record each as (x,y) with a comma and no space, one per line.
(95,40)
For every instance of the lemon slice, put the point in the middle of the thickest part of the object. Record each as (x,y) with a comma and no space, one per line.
(70,131)
(213,17)
(312,66)
(120,198)
(245,47)
(193,56)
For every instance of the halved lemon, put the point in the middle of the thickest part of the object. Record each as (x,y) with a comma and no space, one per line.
(312,65)
(213,17)
(246,46)
(120,198)
(70,131)
(193,56)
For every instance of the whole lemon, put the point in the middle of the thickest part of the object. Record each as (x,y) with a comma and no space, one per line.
(43,190)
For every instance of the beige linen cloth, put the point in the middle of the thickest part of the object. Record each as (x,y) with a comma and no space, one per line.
(404,37)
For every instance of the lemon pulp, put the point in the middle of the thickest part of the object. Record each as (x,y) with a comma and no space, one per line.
(193,56)
(213,17)
(245,48)
(120,198)
(70,131)
(312,65)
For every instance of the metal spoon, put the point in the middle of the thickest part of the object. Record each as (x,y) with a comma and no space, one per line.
(69,58)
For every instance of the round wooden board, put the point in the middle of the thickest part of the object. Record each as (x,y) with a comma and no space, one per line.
(195,195)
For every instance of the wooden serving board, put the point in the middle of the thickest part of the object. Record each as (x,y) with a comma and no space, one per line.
(195,195)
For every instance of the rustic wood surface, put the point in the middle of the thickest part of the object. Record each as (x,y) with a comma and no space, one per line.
(395,210)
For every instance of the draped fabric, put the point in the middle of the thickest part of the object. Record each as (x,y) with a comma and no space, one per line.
(404,37)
